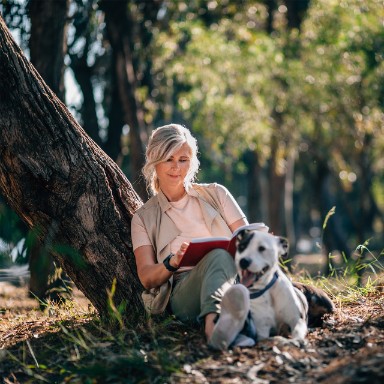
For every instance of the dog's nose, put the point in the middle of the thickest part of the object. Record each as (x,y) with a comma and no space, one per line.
(244,263)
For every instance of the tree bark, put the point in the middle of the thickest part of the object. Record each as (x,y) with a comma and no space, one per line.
(63,185)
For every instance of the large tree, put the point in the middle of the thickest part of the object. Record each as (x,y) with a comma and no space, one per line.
(63,186)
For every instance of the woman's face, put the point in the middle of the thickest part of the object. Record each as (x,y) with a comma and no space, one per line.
(172,171)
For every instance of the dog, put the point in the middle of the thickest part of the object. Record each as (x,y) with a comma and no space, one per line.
(276,306)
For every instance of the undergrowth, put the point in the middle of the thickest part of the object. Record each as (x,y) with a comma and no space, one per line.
(94,352)
(76,346)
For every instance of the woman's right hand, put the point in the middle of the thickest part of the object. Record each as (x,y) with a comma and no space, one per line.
(151,273)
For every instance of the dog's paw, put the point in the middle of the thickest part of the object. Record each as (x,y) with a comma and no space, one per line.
(283,341)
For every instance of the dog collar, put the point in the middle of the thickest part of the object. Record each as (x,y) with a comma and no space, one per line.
(256,294)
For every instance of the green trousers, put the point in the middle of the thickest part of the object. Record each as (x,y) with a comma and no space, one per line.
(198,292)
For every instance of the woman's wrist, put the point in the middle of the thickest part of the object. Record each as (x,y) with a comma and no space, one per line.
(168,265)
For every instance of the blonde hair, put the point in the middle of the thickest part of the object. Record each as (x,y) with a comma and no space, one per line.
(162,144)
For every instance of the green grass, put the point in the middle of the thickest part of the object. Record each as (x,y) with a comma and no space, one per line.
(95,353)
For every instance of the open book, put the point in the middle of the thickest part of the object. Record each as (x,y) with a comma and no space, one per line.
(200,246)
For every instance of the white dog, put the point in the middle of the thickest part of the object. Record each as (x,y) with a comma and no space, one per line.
(276,305)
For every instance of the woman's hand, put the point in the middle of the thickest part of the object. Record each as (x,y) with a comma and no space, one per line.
(178,256)
(151,273)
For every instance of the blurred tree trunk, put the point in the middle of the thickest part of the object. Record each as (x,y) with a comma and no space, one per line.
(271,8)
(296,10)
(64,186)
(288,203)
(83,74)
(115,117)
(254,195)
(47,42)
(276,181)
(48,18)
(333,236)
(120,34)
(78,52)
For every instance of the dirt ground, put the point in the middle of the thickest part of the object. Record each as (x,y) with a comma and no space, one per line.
(348,348)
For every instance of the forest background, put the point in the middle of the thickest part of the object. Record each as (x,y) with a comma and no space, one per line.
(285,97)
(286,100)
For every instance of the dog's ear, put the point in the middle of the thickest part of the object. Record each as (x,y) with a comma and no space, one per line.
(242,239)
(283,246)
(242,234)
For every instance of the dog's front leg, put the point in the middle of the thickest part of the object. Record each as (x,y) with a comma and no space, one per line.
(299,329)
(263,333)
(263,327)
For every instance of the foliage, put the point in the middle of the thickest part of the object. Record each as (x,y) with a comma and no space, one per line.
(317,92)
(313,93)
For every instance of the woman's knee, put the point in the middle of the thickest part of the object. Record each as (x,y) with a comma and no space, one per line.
(220,258)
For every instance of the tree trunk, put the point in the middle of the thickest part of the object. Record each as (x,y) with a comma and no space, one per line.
(288,202)
(83,74)
(115,117)
(61,184)
(47,42)
(276,183)
(119,28)
(79,53)
(296,10)
(48,18)
(254,188)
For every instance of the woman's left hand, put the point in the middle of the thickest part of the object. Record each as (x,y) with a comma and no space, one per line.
(178,256)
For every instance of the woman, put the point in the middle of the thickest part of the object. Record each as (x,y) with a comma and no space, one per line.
(162,229)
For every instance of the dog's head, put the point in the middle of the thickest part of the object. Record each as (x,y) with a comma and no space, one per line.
(257,255)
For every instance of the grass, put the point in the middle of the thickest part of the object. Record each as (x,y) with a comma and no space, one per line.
(73,346)
(70,345)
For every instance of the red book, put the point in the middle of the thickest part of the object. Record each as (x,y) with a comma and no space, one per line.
(199,247)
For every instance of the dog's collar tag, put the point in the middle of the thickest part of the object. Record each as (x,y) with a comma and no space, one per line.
(255,295)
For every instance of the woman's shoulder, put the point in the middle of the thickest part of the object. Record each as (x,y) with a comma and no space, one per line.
(212,187)
(149,204)
(198,186)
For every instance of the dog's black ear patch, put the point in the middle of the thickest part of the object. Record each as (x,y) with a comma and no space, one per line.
(242,239)
(243,233)
(283,245)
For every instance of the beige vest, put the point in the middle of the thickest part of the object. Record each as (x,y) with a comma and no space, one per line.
(162,231)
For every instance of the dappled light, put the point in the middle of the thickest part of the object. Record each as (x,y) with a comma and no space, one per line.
(286,101)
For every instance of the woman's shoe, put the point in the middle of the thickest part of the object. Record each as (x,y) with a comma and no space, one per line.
(233,313)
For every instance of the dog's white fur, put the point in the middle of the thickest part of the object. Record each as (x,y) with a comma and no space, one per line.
(257,260)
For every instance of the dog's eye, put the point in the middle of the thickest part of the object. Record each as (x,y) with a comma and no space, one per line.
(261,248)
